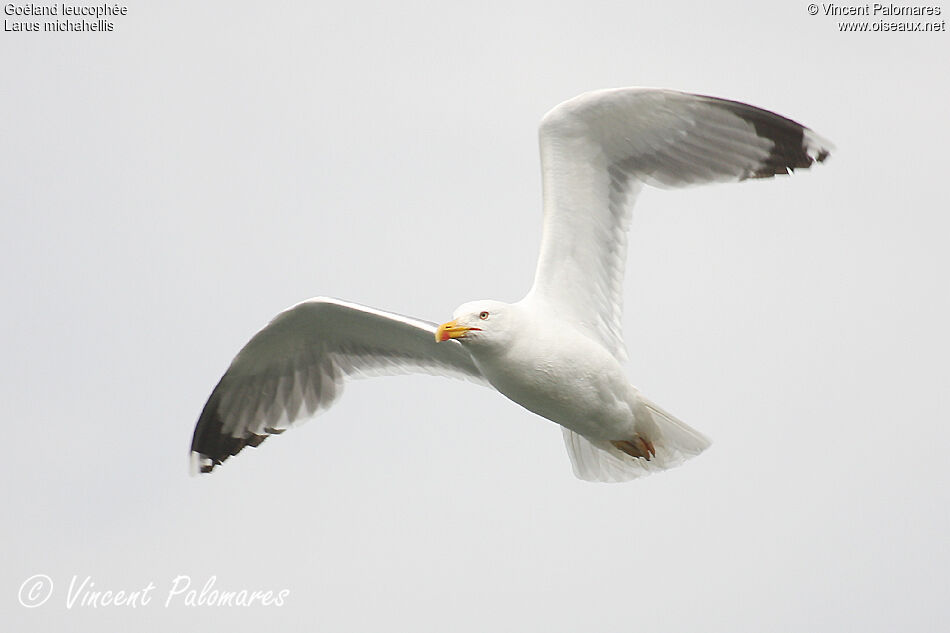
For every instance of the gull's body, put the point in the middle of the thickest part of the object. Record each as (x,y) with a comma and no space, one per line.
(563,376)
(559,351)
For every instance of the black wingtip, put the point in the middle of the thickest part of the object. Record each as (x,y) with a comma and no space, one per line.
(793,145)
(211,445)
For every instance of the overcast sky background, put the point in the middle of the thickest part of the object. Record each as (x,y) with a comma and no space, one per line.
(170,186)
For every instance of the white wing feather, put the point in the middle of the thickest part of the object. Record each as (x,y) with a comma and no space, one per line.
(296,365)
(598,149)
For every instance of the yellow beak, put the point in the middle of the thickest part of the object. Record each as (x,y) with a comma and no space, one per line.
(452,330)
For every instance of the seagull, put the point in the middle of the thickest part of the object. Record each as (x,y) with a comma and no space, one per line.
(559,351)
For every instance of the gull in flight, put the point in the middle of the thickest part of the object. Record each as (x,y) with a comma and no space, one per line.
(558,352)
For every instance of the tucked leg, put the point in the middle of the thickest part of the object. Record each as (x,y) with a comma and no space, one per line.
(638,447)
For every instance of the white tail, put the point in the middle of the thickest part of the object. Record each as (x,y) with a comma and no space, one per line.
(599,460)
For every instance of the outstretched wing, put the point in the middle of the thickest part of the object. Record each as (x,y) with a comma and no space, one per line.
(598,149)
(296,365)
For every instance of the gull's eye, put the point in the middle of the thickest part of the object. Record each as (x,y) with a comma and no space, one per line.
(483,315)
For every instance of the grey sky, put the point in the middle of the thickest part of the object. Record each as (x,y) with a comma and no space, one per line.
(170,186)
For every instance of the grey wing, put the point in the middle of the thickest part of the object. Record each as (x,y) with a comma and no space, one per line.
(297,364)
(598,149)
